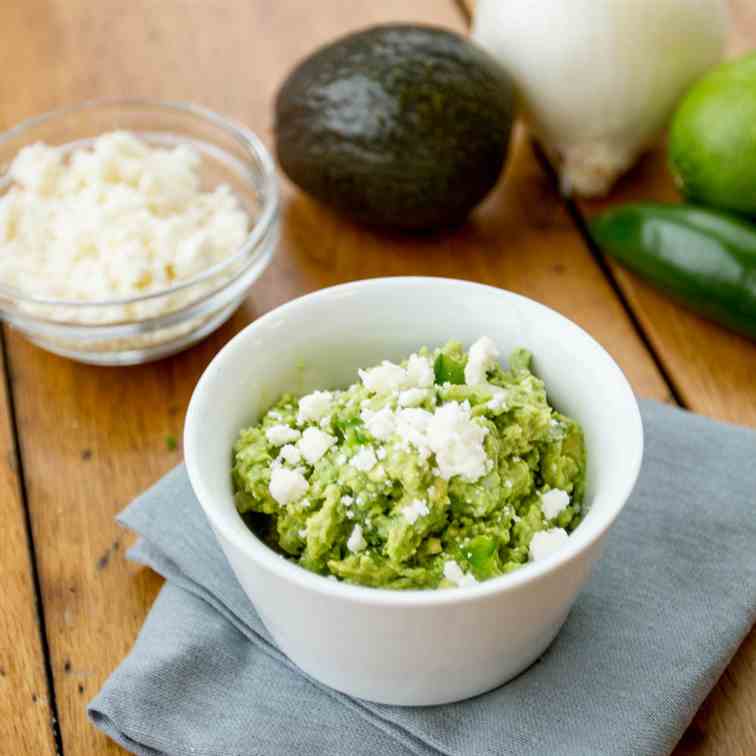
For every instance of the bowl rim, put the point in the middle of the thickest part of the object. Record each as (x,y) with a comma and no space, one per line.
(269,193)
(264,557)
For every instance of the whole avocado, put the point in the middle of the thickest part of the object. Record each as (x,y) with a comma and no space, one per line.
(712,140)
(398,126)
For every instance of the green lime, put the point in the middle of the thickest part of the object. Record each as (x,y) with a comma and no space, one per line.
(712,141)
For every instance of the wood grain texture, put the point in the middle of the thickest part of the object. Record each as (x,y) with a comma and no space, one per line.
(713,372)
(92,438)
(25,712)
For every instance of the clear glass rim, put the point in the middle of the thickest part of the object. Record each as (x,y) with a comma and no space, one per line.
(247,139)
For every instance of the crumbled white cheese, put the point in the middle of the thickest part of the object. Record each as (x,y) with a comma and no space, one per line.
(457,442)
(287,485)
(546,542)
(380,452)
(480,359)
(453,573)
(384,378)
(278,435)
(314,406)
(117,220)
(553,502)
(411,427)
(389,377)
(289,453)
(415,509)
(365,459)
(38,167)
(347,500)
(449,432)
(498,399)
(412,397)
(314,444)
(302,533)
(356,541)
(419,371)
(379,424)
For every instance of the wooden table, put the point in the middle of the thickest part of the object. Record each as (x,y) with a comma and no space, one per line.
(77,442)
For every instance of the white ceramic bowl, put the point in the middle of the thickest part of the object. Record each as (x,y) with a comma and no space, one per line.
(409,647)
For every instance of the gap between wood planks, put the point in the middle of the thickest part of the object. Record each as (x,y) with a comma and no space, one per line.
(581,226)
(38,602)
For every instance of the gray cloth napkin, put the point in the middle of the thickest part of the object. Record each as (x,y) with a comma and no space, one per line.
(663,613)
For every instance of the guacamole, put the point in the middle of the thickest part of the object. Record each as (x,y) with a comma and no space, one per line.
(442,471)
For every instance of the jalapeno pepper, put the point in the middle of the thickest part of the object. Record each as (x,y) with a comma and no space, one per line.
(703,258)
(449,368)
(481,553)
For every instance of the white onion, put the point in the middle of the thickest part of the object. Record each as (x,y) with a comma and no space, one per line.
(599,79)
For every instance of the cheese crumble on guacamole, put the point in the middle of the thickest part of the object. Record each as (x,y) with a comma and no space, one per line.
(442,471)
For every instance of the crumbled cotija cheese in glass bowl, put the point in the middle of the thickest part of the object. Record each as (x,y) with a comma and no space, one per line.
(120,246)
(119,219)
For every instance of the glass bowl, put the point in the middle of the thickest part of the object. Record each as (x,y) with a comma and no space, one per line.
(139,329)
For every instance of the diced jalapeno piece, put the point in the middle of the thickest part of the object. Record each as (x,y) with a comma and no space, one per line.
(481,549)
(448,370)
(351,431)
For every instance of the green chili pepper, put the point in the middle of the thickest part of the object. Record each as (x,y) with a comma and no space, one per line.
(703,258)
(482,554)
(447,369)
(480,550)
(351,430)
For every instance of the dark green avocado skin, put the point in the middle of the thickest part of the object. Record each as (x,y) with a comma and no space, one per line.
(399,126)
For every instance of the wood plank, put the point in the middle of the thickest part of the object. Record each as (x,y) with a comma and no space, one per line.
(25,711)
(93,438)
(712,371)
(25,708)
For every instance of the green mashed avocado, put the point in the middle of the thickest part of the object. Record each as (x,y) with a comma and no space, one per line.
(442,471)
